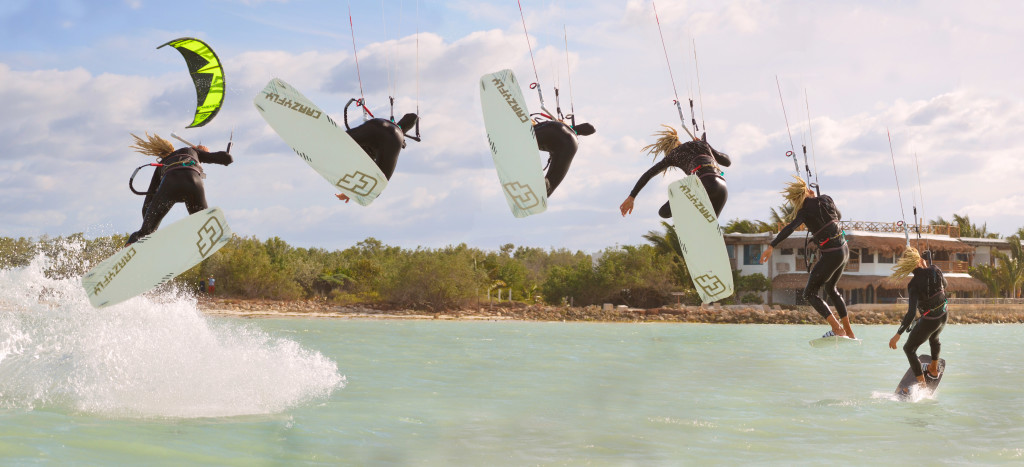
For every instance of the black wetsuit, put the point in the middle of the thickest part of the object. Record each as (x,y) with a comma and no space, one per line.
(180,180)
(822,219)
(927,293)
(559,141)
(383,140)
(692,157)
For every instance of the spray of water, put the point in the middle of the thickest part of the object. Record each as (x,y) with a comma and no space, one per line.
(152,356)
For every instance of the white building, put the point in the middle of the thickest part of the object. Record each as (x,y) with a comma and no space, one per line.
(874,249)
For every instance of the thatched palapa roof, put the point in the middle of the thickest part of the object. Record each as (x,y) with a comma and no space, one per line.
(957,282)
(883,242)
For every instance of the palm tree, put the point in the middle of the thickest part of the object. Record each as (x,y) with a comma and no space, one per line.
(778,218)
(668,243)
(747,226)
(1008,274)
(989,276)
(967,229)
(1011,267)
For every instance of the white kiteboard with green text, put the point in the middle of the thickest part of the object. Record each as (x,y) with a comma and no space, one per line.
(701,240)
(319,141)
(156,258)
(513,143)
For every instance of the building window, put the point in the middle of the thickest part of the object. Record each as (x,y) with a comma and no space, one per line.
(885,258)
(961,257)
(732,251)
(787,251)
(866,256)
(751,255)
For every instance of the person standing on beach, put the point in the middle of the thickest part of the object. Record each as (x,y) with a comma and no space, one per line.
(926,293)
(178,179)
(820,215)
(693,157)
(210,285)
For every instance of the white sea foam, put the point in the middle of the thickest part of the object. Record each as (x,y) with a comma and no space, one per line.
(151,356)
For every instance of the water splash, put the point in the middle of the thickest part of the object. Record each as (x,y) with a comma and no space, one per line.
(916,395)
(151,356)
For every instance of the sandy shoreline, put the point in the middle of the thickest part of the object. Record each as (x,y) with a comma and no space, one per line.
(748,314)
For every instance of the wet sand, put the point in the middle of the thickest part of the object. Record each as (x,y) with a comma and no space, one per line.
(747,314)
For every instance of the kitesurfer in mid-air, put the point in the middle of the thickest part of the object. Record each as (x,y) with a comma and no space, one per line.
(820,215)
(559,140)
(926,293)
(177,179)
(382,140)
(694,157)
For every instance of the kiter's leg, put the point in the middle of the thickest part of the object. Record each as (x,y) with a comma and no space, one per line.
(195,200)
(666,211)
(914,340)
(819,274)
(717,191)
(936,346)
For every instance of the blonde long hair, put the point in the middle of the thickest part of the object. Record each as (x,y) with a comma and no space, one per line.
(668,139)
(154,146)
(795,193)
(909,261)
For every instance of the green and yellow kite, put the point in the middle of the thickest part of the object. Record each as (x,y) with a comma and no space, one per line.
(204,66)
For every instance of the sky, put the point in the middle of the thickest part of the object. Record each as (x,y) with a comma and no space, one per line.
(941,77)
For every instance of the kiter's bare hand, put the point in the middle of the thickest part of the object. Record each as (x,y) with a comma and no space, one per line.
(892,342)
(627,206)
(767,254)
(343,197)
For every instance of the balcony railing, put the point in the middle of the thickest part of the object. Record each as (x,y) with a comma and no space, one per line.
(894,227)
(953,266)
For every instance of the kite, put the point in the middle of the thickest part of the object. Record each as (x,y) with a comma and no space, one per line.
(204,66)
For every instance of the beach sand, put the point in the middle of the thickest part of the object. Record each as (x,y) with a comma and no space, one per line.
(749,314)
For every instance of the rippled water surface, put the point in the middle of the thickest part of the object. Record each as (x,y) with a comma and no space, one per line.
(153,380)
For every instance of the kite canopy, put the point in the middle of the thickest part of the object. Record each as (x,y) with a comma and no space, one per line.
(207,74)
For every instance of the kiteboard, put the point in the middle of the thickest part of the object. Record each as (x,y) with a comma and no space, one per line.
(834,341)
(700,239)
(318,140)
(904,389)
(513,143)
(156,258)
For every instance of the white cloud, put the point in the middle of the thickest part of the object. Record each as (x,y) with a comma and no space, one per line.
(67,128)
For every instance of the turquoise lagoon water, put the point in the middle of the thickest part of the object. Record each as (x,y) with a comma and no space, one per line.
(155,381)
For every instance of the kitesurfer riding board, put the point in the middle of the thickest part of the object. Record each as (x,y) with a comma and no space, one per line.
(560,140)
(700,239)
(177,179)
(513,143)
(821,216)
(382,139)
(695,157)
(926,294)
(318,140)
(157,258)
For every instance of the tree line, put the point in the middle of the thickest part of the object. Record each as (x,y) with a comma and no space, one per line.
(370,272)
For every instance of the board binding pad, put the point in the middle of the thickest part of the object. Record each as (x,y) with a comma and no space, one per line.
(319,141)
(903,390)
(156,258)
(834,341)
(700,239)
(513,143)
